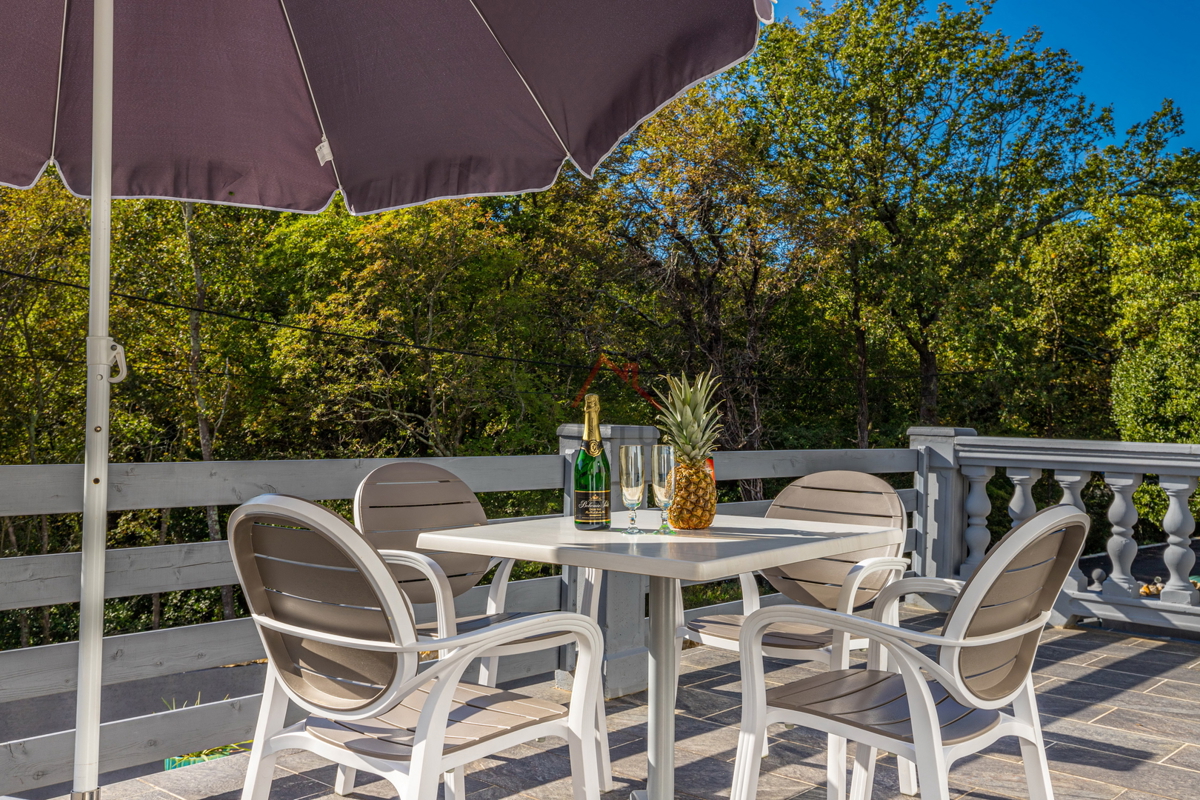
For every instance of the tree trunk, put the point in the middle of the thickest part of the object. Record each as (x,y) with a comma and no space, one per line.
(44,526)
(860,372)
(22,614)
(156,598)
(203,424)
(929,385)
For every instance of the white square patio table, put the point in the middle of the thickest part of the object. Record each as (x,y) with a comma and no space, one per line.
(732,545)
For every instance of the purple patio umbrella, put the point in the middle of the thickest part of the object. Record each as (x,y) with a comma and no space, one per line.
(283,103)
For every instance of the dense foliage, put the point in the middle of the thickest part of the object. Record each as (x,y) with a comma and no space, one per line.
(889,216)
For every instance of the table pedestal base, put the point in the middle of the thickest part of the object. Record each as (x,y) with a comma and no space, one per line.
(660,727)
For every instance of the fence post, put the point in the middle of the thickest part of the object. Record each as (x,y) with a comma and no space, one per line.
(941,499)
(623,596)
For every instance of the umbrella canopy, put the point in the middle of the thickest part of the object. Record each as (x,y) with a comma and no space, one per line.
(281,104)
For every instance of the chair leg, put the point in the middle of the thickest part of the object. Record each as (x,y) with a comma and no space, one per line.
(343,784)
(1033,749)
(270,721)
(455,781)
(603,756)
(933,773)
(835,769)
(908,776)
(585,783)
(748,762)
(863,780)
(488,668)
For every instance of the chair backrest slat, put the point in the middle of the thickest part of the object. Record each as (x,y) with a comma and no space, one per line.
(1018,580)
(399,501)
(304,566)
(854,498)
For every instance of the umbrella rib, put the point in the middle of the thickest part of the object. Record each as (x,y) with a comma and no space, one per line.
(528,88)
(313,99)
(62,54)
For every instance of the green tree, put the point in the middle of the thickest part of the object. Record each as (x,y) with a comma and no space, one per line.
(941,147)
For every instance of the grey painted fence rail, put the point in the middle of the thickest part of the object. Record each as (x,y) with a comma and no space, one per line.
(32,581)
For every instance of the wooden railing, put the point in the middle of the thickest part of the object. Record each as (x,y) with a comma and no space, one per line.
(34,581)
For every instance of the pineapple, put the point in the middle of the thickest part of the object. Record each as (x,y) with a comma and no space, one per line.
(690,423)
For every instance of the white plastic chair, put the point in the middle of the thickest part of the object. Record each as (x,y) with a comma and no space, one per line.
(398,502)
(394,505)
(982,664)
(844,582)
(341,644)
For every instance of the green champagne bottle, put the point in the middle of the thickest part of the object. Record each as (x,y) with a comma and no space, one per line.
(591,472)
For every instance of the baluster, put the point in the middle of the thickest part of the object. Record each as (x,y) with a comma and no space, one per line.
(1121,548)
(1022,506)
(978,506)
(1179,525)
(1072,483)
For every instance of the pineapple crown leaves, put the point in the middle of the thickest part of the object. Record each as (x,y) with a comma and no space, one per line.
(689,417)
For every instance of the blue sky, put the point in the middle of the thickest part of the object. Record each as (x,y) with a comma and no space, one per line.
(1134,52)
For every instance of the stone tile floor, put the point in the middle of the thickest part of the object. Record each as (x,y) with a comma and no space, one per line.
(1121,716)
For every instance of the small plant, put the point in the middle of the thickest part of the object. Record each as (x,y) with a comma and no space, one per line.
(175,762)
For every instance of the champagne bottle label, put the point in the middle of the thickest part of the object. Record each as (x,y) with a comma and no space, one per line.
(593,448)
(591,506)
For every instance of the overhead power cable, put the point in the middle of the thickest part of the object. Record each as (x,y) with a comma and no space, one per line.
(318,331)
(439,350)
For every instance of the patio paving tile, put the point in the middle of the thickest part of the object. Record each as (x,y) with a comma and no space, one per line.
(1188,757)
(699,776)
(1065,655)
(1007,779)
(1132,744)
(1056,705)
(1097,675)
(1151,664)
(1178,729)
(1130,773)
(1131,700)
(1177,690)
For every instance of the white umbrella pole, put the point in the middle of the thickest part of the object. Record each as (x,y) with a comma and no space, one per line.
(101,351)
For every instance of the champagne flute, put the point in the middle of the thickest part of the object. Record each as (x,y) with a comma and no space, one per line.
(633,483)
(662,461)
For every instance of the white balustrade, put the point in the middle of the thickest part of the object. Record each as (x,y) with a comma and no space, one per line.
(1072,483)
(978,506)
(1179,525)
(1022,505)
(1121,547)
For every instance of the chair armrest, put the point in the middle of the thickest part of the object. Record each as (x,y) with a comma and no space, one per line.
(443,596)
(442,678)
(458,651)
(498,590)
(750,598)
(874,629)
(860,572)
(888,602)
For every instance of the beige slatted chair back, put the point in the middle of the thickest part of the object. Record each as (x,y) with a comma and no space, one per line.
(835,496)
(1018,581)
(304,566)
(397,502)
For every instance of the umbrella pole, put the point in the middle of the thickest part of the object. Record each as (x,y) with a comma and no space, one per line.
(101,351)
